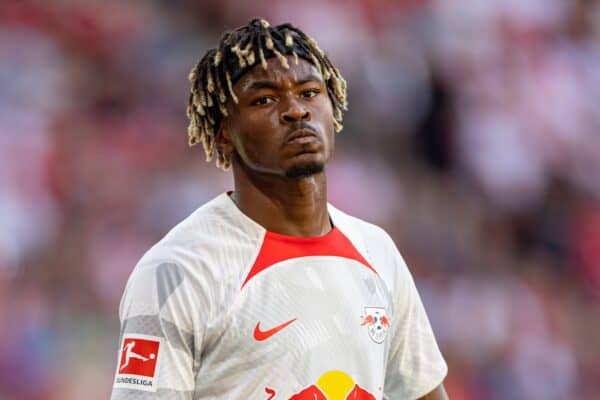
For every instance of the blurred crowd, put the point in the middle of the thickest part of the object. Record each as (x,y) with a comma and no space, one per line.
(472,137)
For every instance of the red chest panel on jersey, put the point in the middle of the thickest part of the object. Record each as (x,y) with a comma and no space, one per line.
(276,248)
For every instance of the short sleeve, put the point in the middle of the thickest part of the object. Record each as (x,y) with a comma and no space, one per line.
(415,364)
(161,331)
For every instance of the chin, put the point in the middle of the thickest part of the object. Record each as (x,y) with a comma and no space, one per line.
(303,170)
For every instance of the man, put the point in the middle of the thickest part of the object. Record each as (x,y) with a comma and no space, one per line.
(269,292)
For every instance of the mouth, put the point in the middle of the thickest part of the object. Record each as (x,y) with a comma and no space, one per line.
(301,136)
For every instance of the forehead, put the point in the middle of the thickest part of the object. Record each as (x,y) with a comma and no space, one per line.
(277,73)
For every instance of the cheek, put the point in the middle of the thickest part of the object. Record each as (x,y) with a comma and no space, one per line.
(260,125)
(324,111)
(262,117)
(324,116)
(254,135)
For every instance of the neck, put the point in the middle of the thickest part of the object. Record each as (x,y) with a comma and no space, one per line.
(294,207)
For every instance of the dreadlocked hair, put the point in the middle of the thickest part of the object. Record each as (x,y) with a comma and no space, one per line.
(237,52)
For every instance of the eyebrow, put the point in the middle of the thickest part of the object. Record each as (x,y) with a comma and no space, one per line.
(268,84)
(310,78)
(257,85)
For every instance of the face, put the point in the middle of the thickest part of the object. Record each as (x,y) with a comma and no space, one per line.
(283,121)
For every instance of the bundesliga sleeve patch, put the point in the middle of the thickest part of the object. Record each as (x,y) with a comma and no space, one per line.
(138,363)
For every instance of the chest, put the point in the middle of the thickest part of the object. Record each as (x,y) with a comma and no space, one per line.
(303,317)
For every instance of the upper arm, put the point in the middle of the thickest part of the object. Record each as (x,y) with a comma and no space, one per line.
(439,393)
(159,312)
(415,364)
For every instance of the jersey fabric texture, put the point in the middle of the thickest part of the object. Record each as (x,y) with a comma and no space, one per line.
(228,310)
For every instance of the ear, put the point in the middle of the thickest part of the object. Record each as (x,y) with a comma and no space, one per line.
(223,139)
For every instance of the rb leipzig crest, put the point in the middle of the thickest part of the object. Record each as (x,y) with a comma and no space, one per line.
(377,322)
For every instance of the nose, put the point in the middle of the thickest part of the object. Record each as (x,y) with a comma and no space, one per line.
(294,112)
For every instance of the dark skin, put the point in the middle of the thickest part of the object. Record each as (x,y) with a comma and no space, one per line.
(273,105)
(280,136)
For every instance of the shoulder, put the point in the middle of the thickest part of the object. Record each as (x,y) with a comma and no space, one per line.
(208,251)
(213,224)
(374,243)
(214,231)
(372,236)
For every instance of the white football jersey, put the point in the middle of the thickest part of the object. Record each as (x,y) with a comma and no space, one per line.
(220,308)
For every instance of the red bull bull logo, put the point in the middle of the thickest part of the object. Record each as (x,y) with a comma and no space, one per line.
(377,322)
(334,385)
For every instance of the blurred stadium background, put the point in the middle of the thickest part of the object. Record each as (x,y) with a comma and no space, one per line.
(472,137)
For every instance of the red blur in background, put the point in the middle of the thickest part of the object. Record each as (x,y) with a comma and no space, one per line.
(471,137)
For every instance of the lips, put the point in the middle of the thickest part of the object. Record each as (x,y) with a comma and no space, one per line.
(301,136)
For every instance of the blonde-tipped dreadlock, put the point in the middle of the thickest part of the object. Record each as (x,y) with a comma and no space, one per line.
(238,51)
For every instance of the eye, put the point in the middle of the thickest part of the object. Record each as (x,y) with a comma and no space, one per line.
(310,93)
(262,101)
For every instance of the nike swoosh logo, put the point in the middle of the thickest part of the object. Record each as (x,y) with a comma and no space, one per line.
(264,335)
